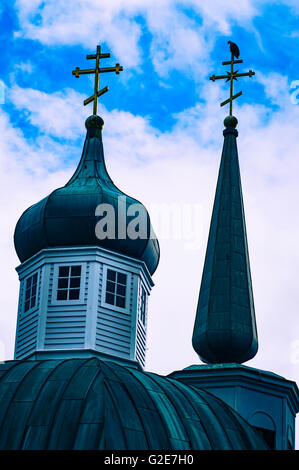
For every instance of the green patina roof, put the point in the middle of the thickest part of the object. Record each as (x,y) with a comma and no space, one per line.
(96,404)
(67,216)
(225,328)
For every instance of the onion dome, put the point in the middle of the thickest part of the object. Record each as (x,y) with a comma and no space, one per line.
(69,215)
(225,327)
(92,404)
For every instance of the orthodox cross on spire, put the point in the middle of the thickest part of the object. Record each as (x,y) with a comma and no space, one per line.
(97,70)
(232,75)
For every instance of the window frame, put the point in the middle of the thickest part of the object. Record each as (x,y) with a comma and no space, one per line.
(125,309)
(79,301)
(35,306)
(141,303)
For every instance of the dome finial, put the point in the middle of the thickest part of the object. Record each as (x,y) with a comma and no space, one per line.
(230,121)
(97,70)
(94,121)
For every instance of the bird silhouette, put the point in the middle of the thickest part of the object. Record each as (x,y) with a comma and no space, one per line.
(234,49)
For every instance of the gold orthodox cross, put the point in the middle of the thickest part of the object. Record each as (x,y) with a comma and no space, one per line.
(231,76)
(97,70)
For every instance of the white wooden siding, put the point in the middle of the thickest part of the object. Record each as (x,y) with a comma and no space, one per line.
(140,344)
(65,327)
(27,325)
(65,324)
(113,327)
(87,323)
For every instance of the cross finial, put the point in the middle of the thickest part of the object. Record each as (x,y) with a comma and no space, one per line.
(232,75)
(97,70)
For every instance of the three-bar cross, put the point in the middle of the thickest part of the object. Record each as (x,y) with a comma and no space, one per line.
(231,76)
(97,70)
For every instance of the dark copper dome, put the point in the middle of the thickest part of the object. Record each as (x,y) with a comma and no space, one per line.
(67,216)
(95,404)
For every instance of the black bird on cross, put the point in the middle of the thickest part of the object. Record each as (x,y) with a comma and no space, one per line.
(234,49)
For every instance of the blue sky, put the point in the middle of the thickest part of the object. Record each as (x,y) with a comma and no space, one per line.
(163,139)
(152,70)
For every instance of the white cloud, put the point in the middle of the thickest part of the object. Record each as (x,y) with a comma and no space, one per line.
(28,172)
(58,114)
(276,88)
(178,42)
(222,13)
(84,22)
(25,67)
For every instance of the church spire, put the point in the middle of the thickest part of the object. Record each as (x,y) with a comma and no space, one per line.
(87,253)
(225,328)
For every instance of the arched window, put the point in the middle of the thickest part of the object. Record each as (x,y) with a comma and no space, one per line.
(264,423)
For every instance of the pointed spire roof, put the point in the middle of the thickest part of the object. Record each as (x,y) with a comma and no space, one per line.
(225,326)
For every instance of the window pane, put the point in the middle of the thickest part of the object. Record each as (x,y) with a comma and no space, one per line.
(74,294)
(142,316)
(121,278)
(116,288)
(62,294)
(143,306)
(110,287)
(30,292)
(32,302)
(27,294)
(63,283)
(69,283)
(28,282)
(76,271)
(109,298)
(64,271)
(111,275)
(143,300)
(120,301)
(75,282)
(121,290)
